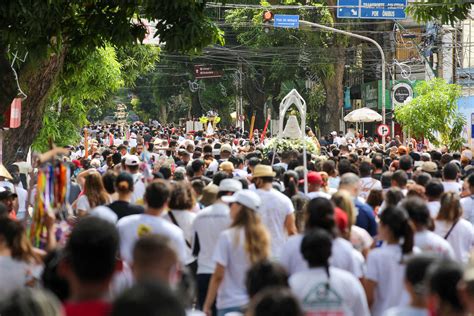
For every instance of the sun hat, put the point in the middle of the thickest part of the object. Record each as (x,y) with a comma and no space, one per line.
(263,171)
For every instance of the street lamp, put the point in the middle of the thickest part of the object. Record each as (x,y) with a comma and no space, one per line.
(368,39)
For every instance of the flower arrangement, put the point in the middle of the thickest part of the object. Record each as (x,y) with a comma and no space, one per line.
(282,144)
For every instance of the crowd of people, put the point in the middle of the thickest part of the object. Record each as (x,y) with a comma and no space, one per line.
(164,222)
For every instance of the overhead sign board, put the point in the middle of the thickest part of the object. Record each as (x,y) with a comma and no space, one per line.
(372,9)
(206,72)
(286,21)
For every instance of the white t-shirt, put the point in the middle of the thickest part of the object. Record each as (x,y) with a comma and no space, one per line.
(452,186)
(22,196)
(342,257)
(274,209)
(384,268)
(467,204)
(138,188)
(240,173)
(345,295)
(213,166)
(83,203)
(13,276)
(434,207)
(428,241)
(406,311)
(208,225)
(461,237)
(185,221)
(230,253)
(367,184)
(133,227)
(313,195)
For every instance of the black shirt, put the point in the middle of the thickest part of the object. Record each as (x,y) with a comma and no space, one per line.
(122,209)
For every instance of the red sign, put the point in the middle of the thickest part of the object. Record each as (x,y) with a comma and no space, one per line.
(205,72)
(383,130)
(13,115)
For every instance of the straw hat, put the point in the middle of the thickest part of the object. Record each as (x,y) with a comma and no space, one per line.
(4,172)
(261,171)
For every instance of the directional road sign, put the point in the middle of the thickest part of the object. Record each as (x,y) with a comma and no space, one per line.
(286,21)
(372,9)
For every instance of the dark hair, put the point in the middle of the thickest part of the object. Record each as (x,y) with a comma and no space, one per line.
(316,247)
(398,222)
(329,167)
(290,180)
(166,172)
(406,163)
(442,279)
(386,179)
(416,269)
(470,180)
(182,197)
(50,278)
(265,274)
(422,178)
(219,176)
(320,214)
(400,177)
(124,183)
(365,169)
(344,166)
(393,196)
(4,213)
(450,171)
(418,211)
(148,298)
(275,302)
(157,194)
(375,198)
(108,179)
(152,249)
(377,161)
(92,249)
(450,209)
(434,188)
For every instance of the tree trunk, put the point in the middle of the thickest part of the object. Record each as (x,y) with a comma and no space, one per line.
(37,85)
(8,88)
(334,86)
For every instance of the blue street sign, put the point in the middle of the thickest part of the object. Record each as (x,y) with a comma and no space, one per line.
(372,9)
(286,21)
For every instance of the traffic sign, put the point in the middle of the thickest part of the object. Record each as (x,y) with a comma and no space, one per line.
(401,93)
(372,9)
(383,130)
(205,72)
(286,21)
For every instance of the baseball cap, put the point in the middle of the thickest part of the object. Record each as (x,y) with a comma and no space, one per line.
(313,178)
(334,133)
(132,161)
(247,198)
(226,147)
(230,185)
(5,192)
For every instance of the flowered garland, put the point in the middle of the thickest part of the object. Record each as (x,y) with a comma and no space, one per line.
(282,145)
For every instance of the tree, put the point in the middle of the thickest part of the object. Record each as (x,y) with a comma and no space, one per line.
(433,114)
(51,30)
(445,11)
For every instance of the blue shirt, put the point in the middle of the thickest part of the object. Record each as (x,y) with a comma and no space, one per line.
(365,217)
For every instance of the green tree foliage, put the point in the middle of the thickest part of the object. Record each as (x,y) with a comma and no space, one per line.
(50,31)
(433,114)
(444,11)
(86,81)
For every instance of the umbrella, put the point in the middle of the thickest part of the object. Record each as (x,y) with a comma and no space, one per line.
(363,115)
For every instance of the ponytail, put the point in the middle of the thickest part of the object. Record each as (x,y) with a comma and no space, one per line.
(123,186)
(397,220)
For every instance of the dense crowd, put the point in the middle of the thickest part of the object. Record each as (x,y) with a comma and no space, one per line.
(164,222)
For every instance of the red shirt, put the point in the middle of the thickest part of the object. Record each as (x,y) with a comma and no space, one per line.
(89,308)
